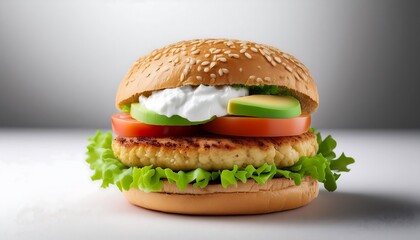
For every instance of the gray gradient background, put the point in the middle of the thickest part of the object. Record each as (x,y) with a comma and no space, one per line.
(61,61)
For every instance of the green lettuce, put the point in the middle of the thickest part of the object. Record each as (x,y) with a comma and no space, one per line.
(265,89)
(126,108)
(324,167)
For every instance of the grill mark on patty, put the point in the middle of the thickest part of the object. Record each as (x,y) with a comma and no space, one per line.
(216,142)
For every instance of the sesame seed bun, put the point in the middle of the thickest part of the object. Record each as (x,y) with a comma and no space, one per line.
(217,62)
(277,194)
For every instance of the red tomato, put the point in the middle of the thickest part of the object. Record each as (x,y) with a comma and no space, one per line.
(259,127)
(125,126)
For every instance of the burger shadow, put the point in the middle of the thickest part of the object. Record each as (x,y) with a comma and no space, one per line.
(341,207)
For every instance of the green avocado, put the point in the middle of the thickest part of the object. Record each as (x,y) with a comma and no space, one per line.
(265,106)
(142,114)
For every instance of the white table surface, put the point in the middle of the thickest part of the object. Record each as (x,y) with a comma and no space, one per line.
(46,193)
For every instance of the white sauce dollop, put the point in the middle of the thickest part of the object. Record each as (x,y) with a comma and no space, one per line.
(193,103)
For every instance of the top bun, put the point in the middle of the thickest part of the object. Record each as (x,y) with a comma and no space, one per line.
(218,62)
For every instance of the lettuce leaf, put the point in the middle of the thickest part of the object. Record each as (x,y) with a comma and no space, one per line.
(265,89)
(324,167)
(126,108)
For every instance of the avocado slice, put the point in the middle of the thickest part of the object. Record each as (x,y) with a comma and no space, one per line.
(265,106)
(142,114)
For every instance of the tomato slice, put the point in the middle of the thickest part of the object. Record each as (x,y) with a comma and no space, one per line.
(126,126)
(259,127)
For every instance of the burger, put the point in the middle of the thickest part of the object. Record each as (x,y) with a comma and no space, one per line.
(216,127)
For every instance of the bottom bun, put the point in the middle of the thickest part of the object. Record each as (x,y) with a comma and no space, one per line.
(275,195)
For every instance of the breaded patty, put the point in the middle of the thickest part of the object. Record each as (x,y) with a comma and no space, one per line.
(213,152)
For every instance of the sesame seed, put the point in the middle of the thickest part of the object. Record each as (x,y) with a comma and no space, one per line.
(217,51)
(242,50)
(267,79)
(205,63)
(222,59)
(187,69)
(289,69)
(184,53)
(199,78)
(213,75)
(207,55)
(206,69)
(194,48)
(182,77)
(192,61)
(229,43)
(212,49)
(240,69)
(166,69)
(273,63)
(187,60)
(177,50)
(259,67)
(234,55)
(157,69)
(227,52)
(214,58)
(248,55)
(302,75)
(176,60)
(157,56)
(220,72)
(259,80)
(195,52)
(225,70)
(268,58)
(254,49)
(252,77)
(212,64)
(277,59)
(199,68)
(266,51)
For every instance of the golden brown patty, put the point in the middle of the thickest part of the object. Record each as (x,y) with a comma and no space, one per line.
(213,152)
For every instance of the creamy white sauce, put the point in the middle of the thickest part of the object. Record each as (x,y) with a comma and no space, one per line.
(193,103)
